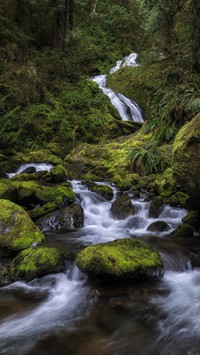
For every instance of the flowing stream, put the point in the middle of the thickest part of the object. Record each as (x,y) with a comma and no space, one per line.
(128,109)
(67,314)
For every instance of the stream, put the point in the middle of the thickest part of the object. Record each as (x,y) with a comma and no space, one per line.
(66,314)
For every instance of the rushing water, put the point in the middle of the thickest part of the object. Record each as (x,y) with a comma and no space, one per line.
(128,109)
(65,314)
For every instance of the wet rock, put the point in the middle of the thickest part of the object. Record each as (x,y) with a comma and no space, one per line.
(8,190)
(158,226)
(122,207)
(68,219)
(17,231)
(29,170)
(44,176)
(36,262)
(156,207)
(194,259)
(103,190)
(58,173)
(122,259)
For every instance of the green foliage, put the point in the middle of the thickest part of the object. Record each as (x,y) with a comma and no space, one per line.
(145,160)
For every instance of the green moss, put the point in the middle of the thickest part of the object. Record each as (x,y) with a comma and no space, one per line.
(185,164)
(59,173)
(7,190)
(24,177)
(119,259)
(103,190)
(31,263)
(17,231)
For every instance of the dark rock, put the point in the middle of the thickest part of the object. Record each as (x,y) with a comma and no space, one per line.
(68,219)
(156,207)
(29,170)
(122,207)
(104,190)
(158,226)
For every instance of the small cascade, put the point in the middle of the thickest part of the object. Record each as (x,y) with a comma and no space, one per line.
(37,166)
(127,108)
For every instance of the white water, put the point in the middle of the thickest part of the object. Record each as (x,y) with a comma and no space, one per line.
(127,108)
(68,299)
(37,166)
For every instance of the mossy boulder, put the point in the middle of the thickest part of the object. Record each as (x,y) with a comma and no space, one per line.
(186,163)
(36,262)
(24,177)
(103,190)
(26,191)
(156,207)
(8,190)
(17,231)
(58,173)
(122,259)
(68,219)
(122,207)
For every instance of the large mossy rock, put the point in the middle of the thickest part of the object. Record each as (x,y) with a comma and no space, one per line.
(58,173)
(7,190)
(122,259)
(17,231)
(122,207)
(36,262)
(104,190)
(186,163)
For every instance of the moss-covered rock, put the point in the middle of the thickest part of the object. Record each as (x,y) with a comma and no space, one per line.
(17,231)
(23,177)
(179,199)
(186,164)
(26,191)
(36,262)
(103,190)
(122,259)
(122,207)
(59,173)
(8,190)
(156,207)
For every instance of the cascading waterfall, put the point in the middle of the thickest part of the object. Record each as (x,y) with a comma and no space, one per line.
(128,109)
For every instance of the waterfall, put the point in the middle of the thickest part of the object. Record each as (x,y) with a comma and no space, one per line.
(128,109)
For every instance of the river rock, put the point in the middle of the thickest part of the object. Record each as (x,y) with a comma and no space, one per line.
(186,162)
(122,259)
(103,190)
(17,231)
(36,262)
(7,190)
(158,226)
(29,170)
(58,173)
(69,219)
(122,207)
(156,207)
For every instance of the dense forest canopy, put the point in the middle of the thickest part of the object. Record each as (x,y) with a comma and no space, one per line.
(48,48)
